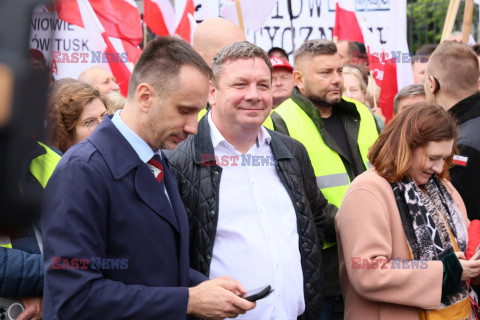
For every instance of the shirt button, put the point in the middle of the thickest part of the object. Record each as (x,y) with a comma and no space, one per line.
(215,173)
(209,257)
(212,213)
(305,245)
(297,204)
(278,168)
(308,285)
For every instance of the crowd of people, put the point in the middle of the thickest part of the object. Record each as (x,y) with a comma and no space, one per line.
(227,168)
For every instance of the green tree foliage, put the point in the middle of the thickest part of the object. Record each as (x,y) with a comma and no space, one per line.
(425,21)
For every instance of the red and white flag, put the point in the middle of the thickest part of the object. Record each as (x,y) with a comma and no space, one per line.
(397,69)
(69,11)
(159,16)
(164,19)
(83,42)
(120,19)
(389,61)
(346,23)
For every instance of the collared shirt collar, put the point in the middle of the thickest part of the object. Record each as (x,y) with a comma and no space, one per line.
(145,153)
(263,137)
(467,108)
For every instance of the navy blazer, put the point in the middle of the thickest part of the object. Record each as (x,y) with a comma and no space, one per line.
(104,204)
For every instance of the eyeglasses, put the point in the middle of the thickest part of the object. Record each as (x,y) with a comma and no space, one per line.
(92,123)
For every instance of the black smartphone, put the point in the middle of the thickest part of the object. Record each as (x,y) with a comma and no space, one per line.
(258,293)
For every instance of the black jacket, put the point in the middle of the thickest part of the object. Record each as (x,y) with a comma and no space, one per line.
(199,181)
(466,178)
(351,122)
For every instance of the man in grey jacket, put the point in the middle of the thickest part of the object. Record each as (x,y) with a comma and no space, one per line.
(254,208)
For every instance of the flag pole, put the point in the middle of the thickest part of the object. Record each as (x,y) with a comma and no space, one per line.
(144,28)
(450,18)
(144,35)
(240,16)
(467,20)
(447,18)
(290,15)
(374,93)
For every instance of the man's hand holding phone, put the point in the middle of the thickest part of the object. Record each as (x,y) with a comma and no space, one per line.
(258,293)
(218,298)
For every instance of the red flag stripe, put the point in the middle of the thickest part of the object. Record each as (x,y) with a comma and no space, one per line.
(119,69)
(389,89)
(119,19)
(346,25)
(184,28)
(69,11)
(133,52)
(153,17)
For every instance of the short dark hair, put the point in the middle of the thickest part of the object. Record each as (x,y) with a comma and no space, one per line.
(476,48)
(315,47)
(426,50)
(235,51)
(281,50)
(160,64)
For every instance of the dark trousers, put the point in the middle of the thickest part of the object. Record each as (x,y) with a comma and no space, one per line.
(333,308)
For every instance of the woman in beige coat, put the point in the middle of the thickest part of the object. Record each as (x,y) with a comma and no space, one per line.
(402,227)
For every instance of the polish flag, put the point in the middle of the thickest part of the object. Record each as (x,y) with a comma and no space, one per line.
(397,70)
(159,16)
(82,14)
(346,23)
(391,73)
(184,26)
(69,11)
(164,19)
(120,19)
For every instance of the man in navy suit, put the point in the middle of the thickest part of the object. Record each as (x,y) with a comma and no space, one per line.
(116,232)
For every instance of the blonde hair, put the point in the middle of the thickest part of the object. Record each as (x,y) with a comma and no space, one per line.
(349,69)
(117,101)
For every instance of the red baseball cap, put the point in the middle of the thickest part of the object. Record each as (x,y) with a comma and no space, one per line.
(280,63)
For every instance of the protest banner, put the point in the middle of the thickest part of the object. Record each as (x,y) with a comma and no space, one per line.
(70,49)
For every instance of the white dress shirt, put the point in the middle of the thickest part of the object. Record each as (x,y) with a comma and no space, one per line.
(257,240)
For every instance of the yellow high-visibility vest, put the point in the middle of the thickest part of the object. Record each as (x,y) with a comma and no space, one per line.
(42,168)
(331,174)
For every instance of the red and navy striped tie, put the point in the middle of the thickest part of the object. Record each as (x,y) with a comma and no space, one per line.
(157,168)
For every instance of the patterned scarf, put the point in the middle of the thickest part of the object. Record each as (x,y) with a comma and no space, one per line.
(429,220)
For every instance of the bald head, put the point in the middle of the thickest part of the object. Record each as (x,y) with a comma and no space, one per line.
(213,34)
(101,79)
